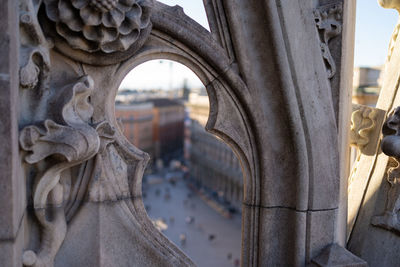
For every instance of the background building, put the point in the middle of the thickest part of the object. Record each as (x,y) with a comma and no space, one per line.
(137,123)
(367,83)
(168,124)
(213,165)
(155,126)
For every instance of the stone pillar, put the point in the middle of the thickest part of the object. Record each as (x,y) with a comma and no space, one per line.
(278,46)
(12,184)
(344,87)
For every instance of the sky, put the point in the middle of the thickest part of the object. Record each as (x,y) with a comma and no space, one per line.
(374,26)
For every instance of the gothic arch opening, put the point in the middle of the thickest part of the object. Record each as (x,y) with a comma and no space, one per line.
(193,186)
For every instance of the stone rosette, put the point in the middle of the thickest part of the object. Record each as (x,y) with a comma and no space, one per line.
(106,26)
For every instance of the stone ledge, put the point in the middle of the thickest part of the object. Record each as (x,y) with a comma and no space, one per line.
(337,256)
(288,208)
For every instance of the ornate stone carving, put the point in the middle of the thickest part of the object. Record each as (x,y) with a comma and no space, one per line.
(58,144)
(76,166)
(329,25)
(390,219)
(36,69)
(97,32)
(363,130)
(364,134)
(99,25)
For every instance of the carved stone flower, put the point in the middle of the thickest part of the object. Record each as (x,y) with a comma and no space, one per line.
(99,25)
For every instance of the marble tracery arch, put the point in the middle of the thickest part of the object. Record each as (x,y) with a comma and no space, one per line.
(271,99)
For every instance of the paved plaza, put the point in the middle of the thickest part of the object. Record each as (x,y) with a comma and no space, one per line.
(206,236)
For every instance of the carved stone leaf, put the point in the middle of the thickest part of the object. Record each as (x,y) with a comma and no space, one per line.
(78,110)
(76,140)
(70,138)
(57,139)
(363,121)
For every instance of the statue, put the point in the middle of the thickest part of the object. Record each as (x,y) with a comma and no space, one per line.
(391,146)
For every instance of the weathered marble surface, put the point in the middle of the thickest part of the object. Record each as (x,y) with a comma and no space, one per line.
(277,74)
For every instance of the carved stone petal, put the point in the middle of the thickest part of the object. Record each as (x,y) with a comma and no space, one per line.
(123,7)
(79,3)
(101,35)
(112,47)
(122,43)
(129,39)
(52,11)
(118,16)
(127,2)
(75,40)
(90,16)
(75,25)
(126,27)
(131,22)
(146,8)
(92,33)
(134,17)
(107,20)
(66,10)
(69,17)
(113,18)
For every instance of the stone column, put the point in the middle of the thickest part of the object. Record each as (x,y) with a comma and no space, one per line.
(284,54)
(12,186)
(344,87)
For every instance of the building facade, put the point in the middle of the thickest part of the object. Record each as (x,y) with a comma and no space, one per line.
(367,83)
(213,165)
(136,120)
(168,128)
(155,126)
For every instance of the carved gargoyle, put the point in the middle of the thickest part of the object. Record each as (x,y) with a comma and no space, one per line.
(390,219)
(328,22)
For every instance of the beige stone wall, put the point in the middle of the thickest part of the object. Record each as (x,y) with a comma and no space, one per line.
(137,125)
